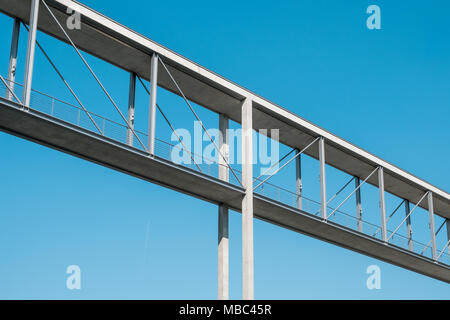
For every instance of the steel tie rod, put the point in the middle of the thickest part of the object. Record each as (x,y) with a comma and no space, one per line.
(298,154)
(392,234)
(337,193)
(443,249)
(66,83)
(198,119)
(170,125)
(284,157)
(390,216)
(348,197)
(10,90)
(437,232)
(93,73)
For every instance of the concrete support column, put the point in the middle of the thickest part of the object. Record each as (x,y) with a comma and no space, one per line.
(408,226)
(247,202)
(152,111)
(30,52)
(298,173)
(432,232)
(223,239)
(13,58)
(131,105)
(382,204)
(358,204)
(323,190)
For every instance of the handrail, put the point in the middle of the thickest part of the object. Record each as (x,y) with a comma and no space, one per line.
(443,252)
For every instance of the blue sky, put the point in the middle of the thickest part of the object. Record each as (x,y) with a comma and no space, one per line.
(384,90)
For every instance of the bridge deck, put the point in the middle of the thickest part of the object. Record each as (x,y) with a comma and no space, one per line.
(69,138)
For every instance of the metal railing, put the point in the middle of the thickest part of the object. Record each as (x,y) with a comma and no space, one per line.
(75,115)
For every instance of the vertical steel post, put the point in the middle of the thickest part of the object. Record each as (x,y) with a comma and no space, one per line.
(358,204)
(30,52)
(152,113)
(247,201)
(323,190)
(431,216)
(298,173)
(382,203)
(447,224)
(223,242)
(408,226)
(131,105)
(13,58)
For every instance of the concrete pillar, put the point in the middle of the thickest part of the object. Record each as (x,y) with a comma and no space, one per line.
(247,202)
(382,204)
(323,190)
(223,239)
(432,232)
(30,52)
(408,227)
(13,58)
(152,111)
(131,105)
(298,173)
(358,204)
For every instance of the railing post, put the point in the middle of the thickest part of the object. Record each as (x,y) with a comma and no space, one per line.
(408,227)
(53,106)
(152,113)
(447,225)
(247,201)
(323,190)
(382,203)
(30,52)
(298,173)
(431,217)
(358,204)
(13,58)
(223,242)
(131,104)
